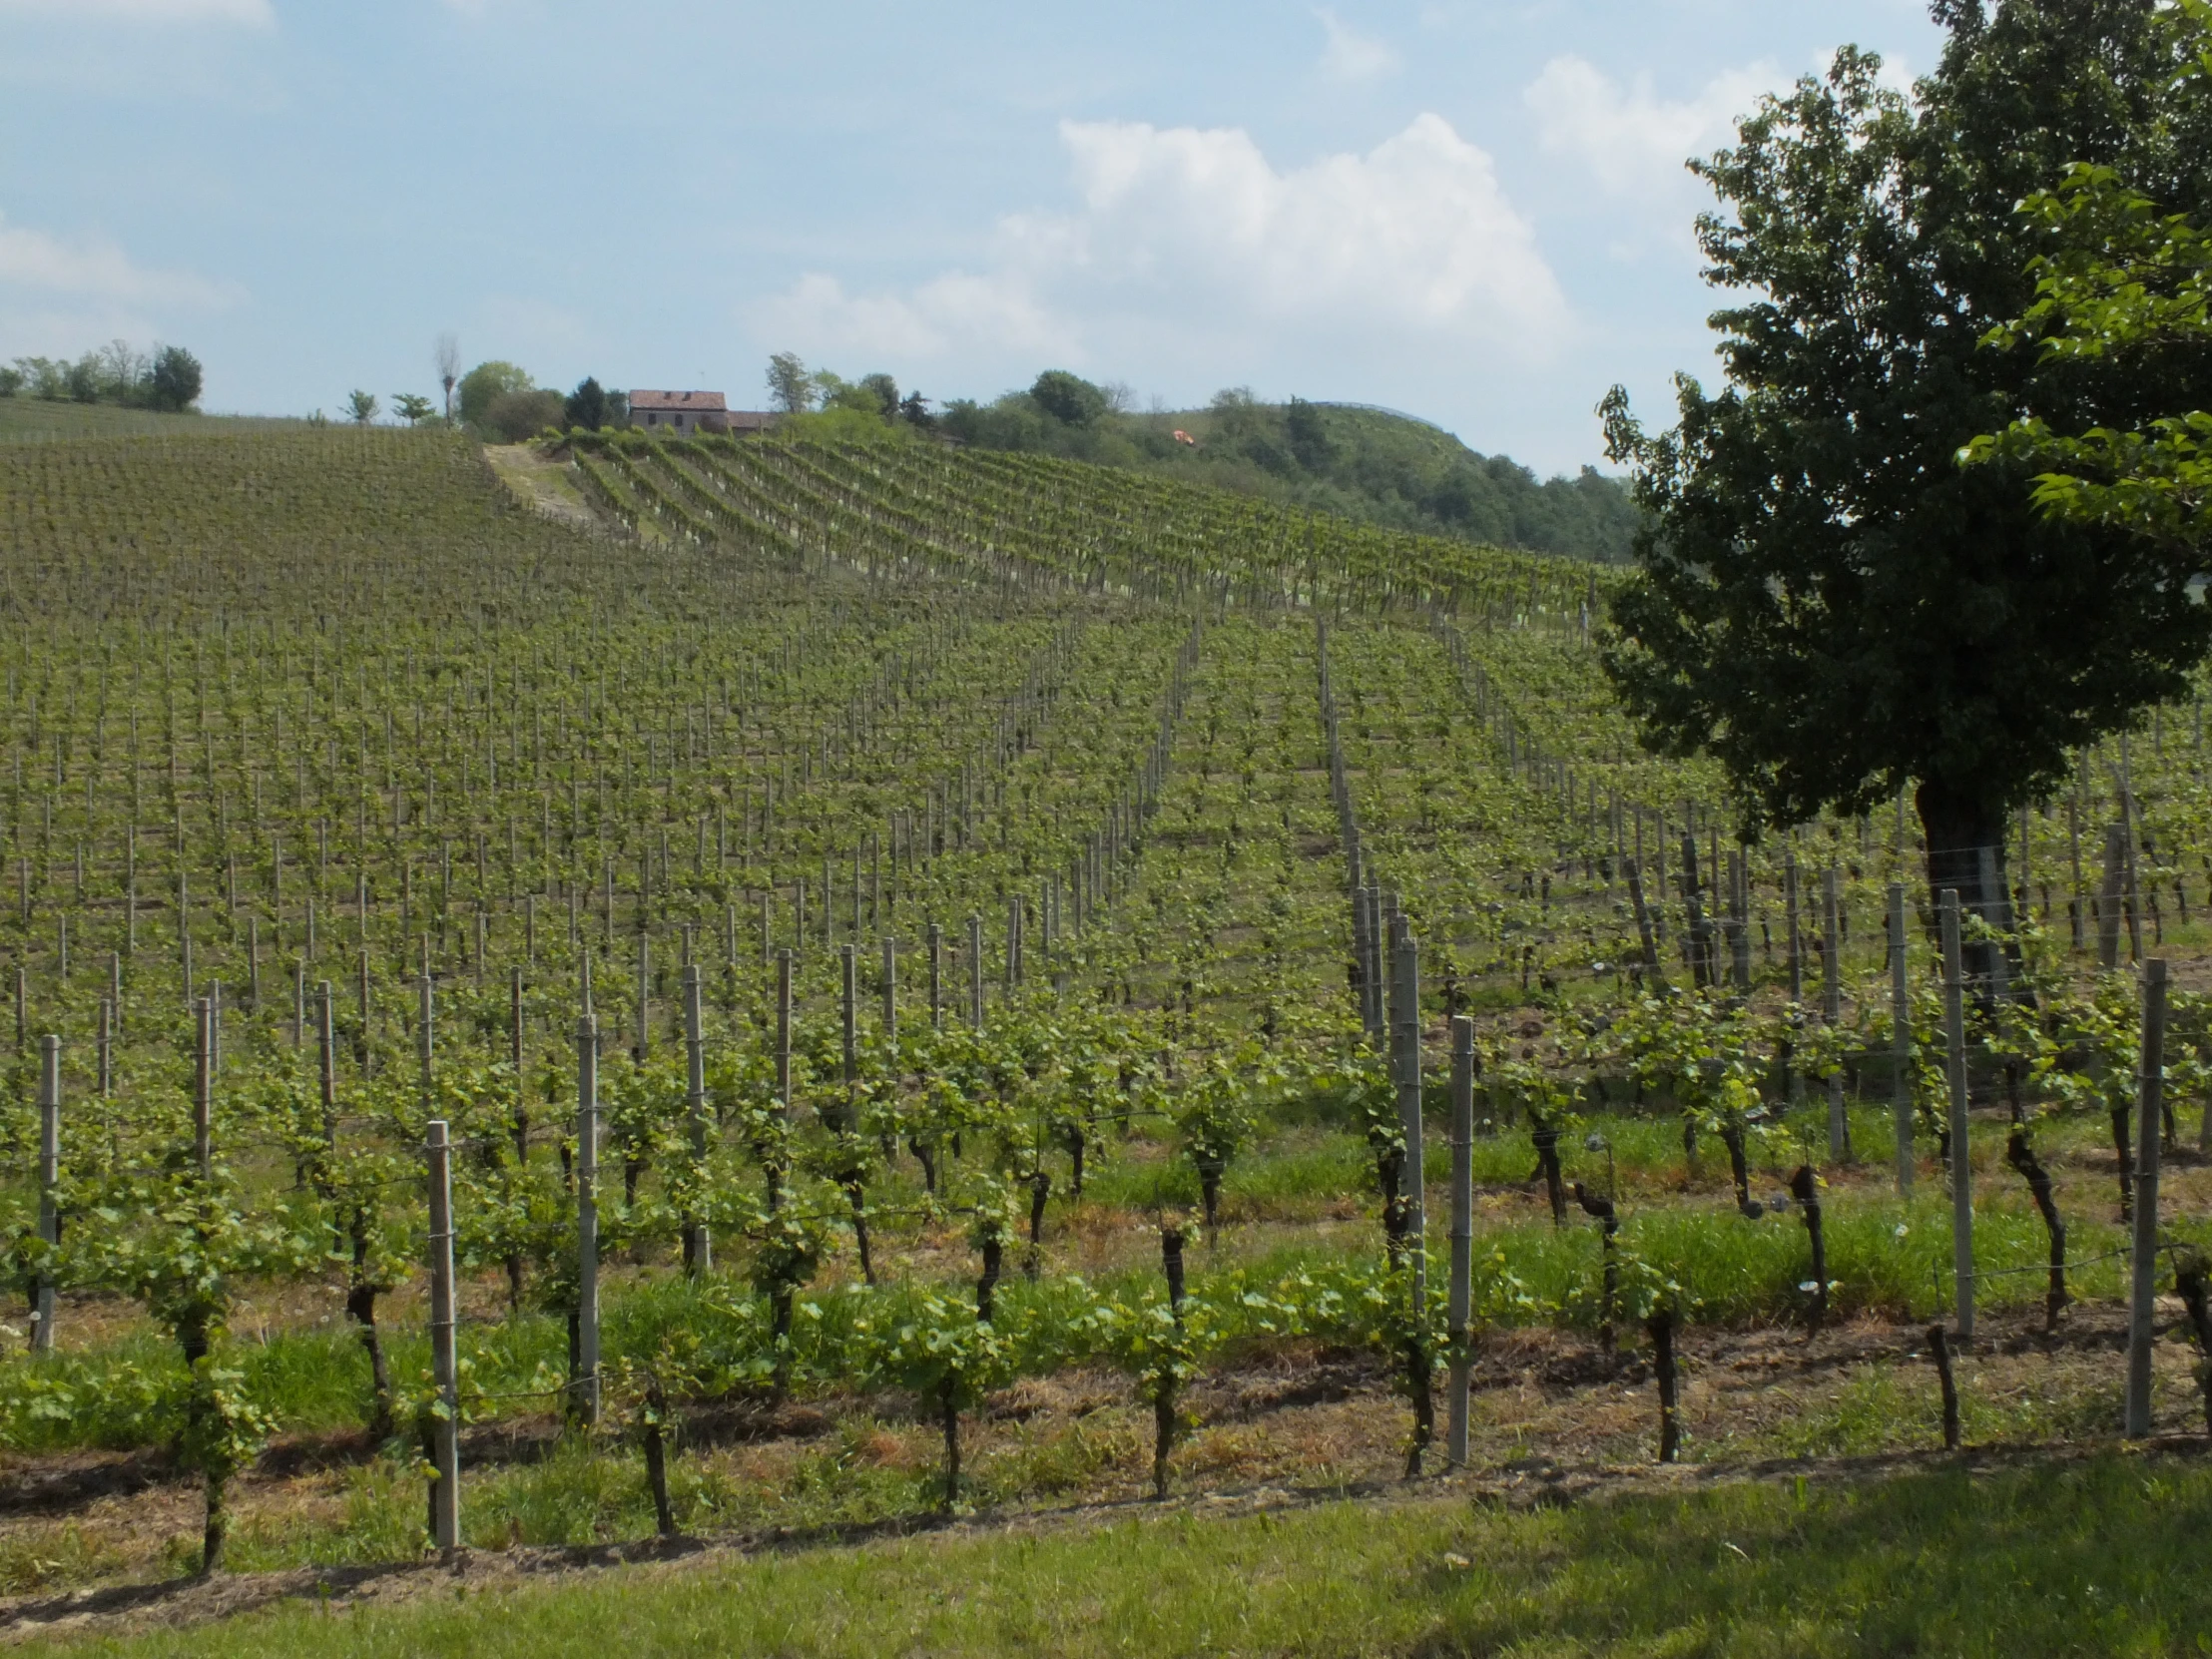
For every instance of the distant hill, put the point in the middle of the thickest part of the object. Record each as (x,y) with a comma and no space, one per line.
(41,421)
(1370,464)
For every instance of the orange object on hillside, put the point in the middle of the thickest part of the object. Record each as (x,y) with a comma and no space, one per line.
(1182,437)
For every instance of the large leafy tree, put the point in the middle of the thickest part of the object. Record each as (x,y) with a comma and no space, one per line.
(1830,602)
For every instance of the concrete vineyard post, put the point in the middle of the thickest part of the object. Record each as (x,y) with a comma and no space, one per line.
(783,1031)
(202,1092)
(425,1031)
(445,1434)
(640,1035)
(584,1387)
(49,1187)
(698,1245)
(848,966)
(975,971)
(890,994)
(1900,1040)
(2143,1322)
(1405,1064)
(1961,1166)
(327,1062)
(1463,1231)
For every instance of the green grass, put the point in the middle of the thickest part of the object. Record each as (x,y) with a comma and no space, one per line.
(2094,1558)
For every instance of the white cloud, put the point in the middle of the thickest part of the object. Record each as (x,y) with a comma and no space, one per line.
(94,269)
(951,313)
(1632,140)
(1348,55)
(1193,235)
(253,12)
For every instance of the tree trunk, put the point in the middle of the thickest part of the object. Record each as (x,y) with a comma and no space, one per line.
(1957,826)
(214,1528)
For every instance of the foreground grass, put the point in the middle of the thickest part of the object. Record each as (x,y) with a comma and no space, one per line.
(2092,1558)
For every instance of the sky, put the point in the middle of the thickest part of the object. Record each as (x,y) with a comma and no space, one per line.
(1473,211)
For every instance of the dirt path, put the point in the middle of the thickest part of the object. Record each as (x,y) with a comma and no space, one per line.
(542,484)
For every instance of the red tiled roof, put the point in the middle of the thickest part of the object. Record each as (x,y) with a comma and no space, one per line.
(685,402)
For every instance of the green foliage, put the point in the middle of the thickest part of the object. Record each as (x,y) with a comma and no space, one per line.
(2131,283)
(1830,605)
(477,390)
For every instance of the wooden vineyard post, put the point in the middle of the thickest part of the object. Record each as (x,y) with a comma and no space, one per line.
(583,1385)
(1900,1040)
(1831,1010)
(1961,1166)
(698,1244)
(1462,1232)
(975,971)
(936,977)
(640,1036)
(1652,971)
(445,1434)
(48,1185)
(2109,899)
(2143,1322)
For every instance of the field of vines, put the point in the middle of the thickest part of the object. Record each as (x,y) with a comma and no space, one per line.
(890,979)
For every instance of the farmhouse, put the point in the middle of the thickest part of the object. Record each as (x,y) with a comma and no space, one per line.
(685,411)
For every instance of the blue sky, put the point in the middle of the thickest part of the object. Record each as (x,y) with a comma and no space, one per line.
(1469,210)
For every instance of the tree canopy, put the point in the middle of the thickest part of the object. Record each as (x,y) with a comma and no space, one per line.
(487,382)
(1830,603)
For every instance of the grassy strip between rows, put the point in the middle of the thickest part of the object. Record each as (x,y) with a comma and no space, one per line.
(2100,1556)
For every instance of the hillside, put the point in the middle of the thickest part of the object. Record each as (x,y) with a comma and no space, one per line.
(1373,465)
(969,983)
(44,420)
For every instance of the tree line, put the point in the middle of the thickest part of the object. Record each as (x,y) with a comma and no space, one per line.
(167,378)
